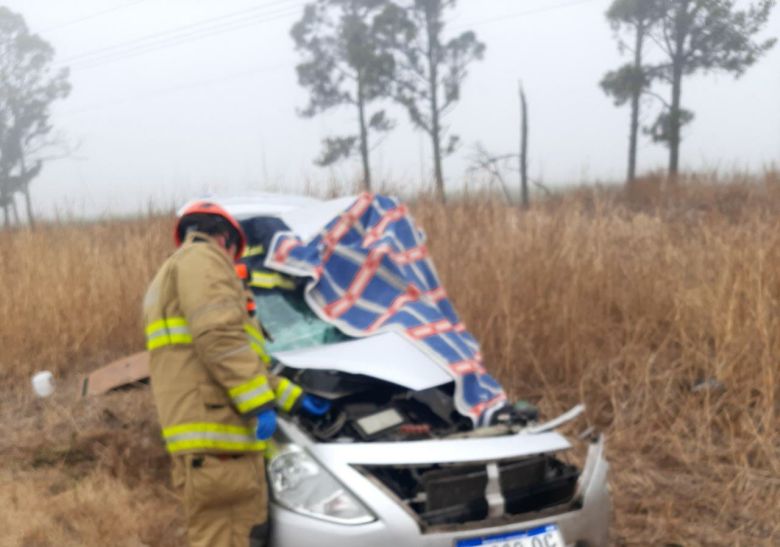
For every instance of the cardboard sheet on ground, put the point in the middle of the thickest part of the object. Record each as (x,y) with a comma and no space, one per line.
(122,372)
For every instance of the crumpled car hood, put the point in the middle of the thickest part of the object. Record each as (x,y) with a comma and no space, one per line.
(387,356)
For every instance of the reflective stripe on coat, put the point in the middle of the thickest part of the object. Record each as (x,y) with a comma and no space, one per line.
(208,361)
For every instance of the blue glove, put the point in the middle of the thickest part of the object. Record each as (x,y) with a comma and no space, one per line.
(266,425)
(316,406)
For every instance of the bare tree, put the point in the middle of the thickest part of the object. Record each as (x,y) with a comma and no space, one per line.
(430,71)
(494,165)
(346,62)
(483,161)
(523,157)
(632,80)
(702,36)
(28,86)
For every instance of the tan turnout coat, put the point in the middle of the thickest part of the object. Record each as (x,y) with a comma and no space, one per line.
(208,363)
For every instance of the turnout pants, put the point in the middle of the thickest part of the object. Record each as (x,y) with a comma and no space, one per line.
(225,499)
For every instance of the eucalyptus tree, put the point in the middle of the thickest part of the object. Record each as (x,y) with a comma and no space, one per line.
(632,21)
(431,68)
(701,36)
(29,84)
(347,62)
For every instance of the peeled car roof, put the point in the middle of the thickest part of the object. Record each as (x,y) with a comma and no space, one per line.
(306,216)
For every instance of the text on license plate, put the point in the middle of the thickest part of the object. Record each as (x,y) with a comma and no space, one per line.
(544,536)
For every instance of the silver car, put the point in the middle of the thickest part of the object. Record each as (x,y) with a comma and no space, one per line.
(393,463)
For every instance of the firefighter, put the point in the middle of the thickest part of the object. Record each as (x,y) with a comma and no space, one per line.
(260,232)
(215,399)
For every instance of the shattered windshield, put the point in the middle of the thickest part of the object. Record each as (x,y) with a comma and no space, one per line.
(291,323)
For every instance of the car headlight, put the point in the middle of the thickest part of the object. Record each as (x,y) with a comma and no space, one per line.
(302,485)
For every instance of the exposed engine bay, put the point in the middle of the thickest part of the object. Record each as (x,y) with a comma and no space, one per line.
(368,409)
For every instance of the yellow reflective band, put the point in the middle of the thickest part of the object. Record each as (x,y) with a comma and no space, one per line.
(287,394)
(260,351)
(157,325)
(257,342)
(181,339)
(259,400)
(254,251)
(166,332)
(157,343)
(254,383)
(203,444)
(251,395)
(206,426)
(211,436)
(263,280)
(254,333)
(174,322)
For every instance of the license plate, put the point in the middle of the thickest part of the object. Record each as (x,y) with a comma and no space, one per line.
(544,536)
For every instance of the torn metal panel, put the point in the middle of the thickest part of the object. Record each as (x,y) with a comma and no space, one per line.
(120,373)
(555,423)
(387,356)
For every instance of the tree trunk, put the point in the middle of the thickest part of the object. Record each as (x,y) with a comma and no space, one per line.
(635,103)
(675,119)
(526,199)
(28,206)
(678,64)
(433,82)
(26,178)
(364,148)
(4,184)
(436,139)
(15,211)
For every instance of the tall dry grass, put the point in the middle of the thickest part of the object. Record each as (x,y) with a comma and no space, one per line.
(658,307)
(70,292)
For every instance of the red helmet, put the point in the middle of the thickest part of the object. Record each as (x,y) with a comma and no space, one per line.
(204,207)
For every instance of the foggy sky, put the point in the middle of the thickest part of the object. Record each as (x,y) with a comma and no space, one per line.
(219,113)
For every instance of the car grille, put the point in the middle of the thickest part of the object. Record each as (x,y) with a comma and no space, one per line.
(460,493)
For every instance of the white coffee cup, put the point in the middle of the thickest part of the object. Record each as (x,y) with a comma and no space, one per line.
(43,383)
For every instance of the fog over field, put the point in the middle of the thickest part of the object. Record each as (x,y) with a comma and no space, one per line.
(651,295)
(219,113)
(655,308)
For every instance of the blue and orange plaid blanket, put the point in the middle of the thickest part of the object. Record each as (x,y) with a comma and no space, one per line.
(370,272)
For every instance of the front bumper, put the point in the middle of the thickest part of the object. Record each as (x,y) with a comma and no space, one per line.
(585,525)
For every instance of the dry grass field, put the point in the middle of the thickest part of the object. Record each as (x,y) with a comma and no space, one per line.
(658,307)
